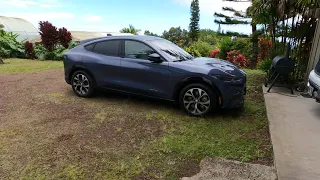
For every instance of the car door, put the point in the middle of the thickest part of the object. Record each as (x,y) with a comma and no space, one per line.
(104,63)
(142,76)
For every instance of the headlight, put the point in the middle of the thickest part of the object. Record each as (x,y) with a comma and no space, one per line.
(226,78)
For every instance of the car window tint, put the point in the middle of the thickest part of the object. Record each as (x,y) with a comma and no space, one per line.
(108,48)
(137,50)
(89,47)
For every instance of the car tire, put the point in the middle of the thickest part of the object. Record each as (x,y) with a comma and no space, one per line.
(83,84)
(197,99)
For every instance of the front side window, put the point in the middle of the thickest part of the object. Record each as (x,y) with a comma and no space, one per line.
(137,50)
(108,48)
(174,52)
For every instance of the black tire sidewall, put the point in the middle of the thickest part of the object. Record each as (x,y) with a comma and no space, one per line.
(91,84)
(207,89)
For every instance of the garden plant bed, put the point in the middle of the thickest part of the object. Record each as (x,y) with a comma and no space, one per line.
(47,132)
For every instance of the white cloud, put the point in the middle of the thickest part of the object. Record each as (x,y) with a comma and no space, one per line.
(28,3)
(48,6)
(58,19)
(92,18)
(212,6)
(19,3)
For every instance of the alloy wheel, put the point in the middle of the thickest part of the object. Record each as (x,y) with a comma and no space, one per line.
(196,101)
(81,84)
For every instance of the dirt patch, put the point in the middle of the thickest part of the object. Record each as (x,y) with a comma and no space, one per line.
(44,125)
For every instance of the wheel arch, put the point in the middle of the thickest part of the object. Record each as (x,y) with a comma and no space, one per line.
(81,68)
(202,80)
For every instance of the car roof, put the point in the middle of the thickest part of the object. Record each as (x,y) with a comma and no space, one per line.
(132,37)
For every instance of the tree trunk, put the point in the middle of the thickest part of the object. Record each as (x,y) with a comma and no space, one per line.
(254,59)
(1,61)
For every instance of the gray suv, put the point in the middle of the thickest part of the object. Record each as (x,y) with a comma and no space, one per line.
(154,67)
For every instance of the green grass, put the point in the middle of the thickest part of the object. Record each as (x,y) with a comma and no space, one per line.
(25,65)
(119,138)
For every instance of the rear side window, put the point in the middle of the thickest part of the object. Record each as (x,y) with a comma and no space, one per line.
(89,47)
(108,48)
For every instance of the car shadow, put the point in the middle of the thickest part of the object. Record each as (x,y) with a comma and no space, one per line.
(106,95)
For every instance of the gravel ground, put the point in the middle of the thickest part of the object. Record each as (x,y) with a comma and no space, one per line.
(221,169)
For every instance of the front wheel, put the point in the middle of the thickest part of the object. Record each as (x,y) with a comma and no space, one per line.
(82,84)
(197,99)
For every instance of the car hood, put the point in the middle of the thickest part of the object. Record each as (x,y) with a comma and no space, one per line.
(209,66)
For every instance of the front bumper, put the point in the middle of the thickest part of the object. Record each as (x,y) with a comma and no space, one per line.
(233,94)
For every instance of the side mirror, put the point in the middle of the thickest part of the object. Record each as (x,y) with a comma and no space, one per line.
(155,57)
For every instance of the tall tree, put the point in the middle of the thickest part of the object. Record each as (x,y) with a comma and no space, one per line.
(194,26)
(177,35)
(131,30)
(240,17)
(148,33)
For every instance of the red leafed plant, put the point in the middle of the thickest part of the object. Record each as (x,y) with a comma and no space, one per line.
(29,49)
(237,59)
(264,47)
(64,37)
(49,35)
(214,53)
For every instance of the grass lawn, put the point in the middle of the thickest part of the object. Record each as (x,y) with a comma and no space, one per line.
(22,65)
(56,135)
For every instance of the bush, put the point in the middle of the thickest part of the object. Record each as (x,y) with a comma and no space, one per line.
(264,49)
(64,37)
(49,35)
(237,59)
(215,53)
(29,50)
(243,45)
(40,52)
(209,36)
(194,52)
(9,46)
(264,65)
(203,48)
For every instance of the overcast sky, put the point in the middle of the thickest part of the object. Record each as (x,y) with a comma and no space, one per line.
(112,15)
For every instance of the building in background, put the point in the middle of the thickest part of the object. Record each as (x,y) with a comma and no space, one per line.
(23,28)
(315,50)
(28,32)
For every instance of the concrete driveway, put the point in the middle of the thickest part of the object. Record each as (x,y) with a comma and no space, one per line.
(295,133)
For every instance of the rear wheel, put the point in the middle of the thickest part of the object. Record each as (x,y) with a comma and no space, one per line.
(197,99)
(82,84)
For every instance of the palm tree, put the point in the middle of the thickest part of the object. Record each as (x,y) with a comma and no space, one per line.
(131,30)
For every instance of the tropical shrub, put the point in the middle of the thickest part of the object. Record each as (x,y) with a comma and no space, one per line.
(40,52)
(264,65)
(264,49)
(203,48)
(64,37)
(209,36)
(29,50)
(178,36)
(243,45)
(237,59)
(49,35)
(9,46)
(194,52)
(215,53)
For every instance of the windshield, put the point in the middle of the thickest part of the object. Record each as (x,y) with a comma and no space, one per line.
(174,52)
